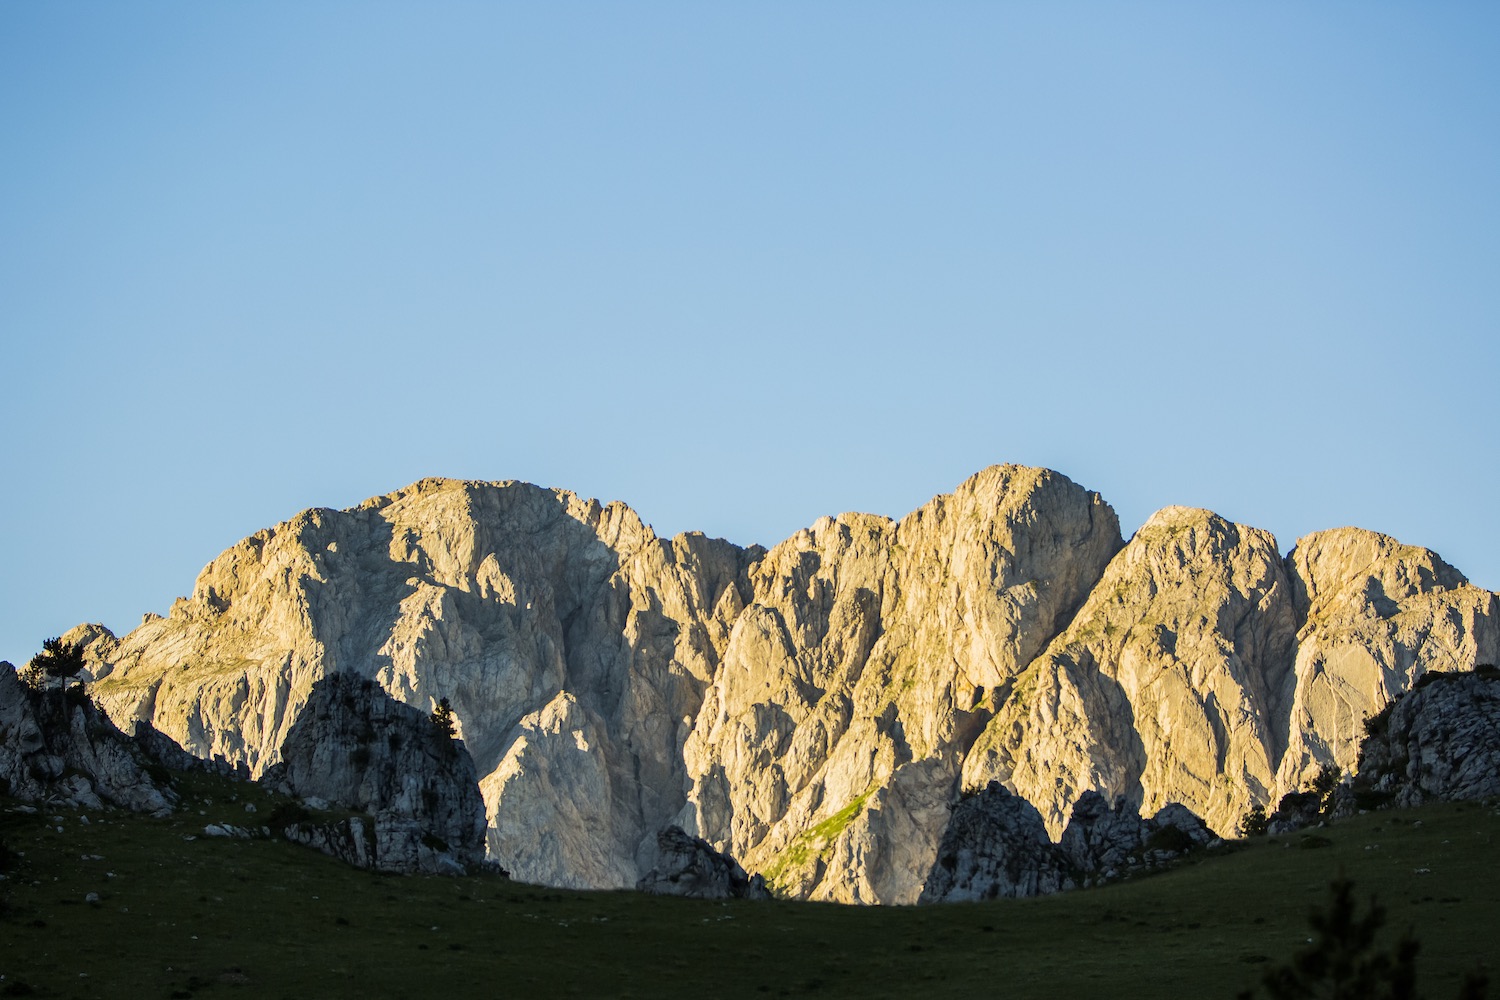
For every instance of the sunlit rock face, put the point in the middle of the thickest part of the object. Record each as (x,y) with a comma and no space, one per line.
(813,710)
(1163,688)
(1376,615)
(504,598)
(867,662)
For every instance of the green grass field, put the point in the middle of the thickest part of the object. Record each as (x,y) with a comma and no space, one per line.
(210,917)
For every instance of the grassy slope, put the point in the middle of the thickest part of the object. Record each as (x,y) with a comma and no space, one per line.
(221,918)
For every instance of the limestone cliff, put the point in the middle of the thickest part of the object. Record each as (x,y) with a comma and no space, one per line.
(812,710)
(829,746)
(1376,616)
(1163,688)
(1206,670)
(505,598)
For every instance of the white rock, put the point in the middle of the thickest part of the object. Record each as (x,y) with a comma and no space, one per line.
(1377,615)
(812,710)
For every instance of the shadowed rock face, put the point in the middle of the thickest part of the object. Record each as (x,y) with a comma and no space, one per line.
(688,866)
(996,846)
(57,750)
(357,748)
(814,709)
(1440,741)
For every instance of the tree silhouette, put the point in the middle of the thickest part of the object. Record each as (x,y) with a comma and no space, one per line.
(1324,782)
(1342,962)
(442,717)
(58,660)
(1253,822)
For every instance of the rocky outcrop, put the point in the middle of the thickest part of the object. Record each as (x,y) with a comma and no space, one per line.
(56,747)
(1100,837)
(414,789)
(1439,741)
(1376,616)
(689,866)
(1102,841)
(813,709)
(996,846)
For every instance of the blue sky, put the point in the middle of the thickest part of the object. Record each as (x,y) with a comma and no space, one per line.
(738,265)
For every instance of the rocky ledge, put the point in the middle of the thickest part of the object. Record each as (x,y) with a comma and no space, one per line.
(1441,740)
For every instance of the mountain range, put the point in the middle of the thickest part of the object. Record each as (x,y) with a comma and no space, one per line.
(815,709)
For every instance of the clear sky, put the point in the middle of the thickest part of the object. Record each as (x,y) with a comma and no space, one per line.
(738,265)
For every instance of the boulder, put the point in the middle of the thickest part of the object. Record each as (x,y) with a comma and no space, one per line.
(689,866)
(995,846)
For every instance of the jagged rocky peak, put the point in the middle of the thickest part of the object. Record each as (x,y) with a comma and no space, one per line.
(419,575)
(812,709)
(502,598)
(870,656)
(1163,688)
(1352,567)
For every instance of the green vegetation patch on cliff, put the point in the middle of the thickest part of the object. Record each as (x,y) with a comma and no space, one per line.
(810,845)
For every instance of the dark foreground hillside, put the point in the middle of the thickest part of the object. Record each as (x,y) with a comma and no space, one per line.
(180,914)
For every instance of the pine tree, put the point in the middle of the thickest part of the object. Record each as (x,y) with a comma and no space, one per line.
(1342,962)
(58,660)
(1253,822)
(442,717)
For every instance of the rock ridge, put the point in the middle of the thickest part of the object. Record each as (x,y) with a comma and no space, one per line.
(814,709)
